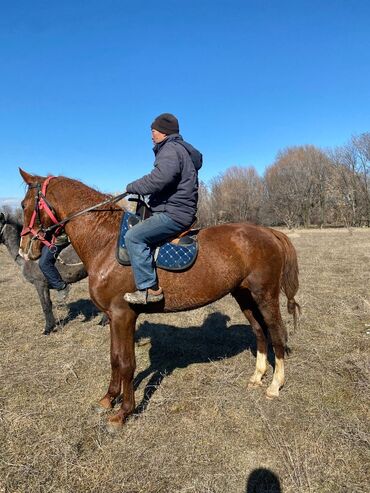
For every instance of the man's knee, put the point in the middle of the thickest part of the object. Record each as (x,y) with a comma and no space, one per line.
(131,237)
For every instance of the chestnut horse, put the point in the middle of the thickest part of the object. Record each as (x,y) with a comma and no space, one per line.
(253,263)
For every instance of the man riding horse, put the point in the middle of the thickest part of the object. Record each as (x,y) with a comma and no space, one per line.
(252,263)
(173,190)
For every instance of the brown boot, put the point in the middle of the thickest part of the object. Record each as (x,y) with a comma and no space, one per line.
(144,296)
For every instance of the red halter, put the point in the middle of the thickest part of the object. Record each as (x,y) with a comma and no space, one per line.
(41,204)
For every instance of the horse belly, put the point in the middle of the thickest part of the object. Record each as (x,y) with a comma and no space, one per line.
(202,284)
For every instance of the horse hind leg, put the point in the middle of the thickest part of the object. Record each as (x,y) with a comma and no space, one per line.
(270,311)
(251,312)
(263,313)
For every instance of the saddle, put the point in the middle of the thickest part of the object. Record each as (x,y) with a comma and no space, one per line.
(176,255)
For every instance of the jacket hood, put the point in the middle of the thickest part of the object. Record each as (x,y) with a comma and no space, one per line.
(195,155)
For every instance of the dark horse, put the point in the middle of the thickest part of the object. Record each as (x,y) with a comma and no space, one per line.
(71,270)
(251,262)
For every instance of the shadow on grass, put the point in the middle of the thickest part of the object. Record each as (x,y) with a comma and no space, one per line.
(173,347)
(84,307)
(263,481)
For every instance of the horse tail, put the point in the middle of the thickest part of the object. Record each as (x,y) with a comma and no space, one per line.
(289,277)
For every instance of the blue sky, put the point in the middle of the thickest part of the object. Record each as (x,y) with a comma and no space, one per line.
(81,82)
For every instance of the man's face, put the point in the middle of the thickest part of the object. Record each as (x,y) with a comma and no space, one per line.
(157,137)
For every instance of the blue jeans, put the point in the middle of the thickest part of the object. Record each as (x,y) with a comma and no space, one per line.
(142,239)
(47,267)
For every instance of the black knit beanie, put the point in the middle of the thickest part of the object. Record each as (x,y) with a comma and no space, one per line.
(166,123)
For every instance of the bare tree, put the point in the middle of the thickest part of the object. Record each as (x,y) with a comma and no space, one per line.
(297,186)
(304,186)
(361,146)
(204,213)
(236,195)
(352,162)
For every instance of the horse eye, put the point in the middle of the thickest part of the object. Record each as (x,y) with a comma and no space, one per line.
(22,205)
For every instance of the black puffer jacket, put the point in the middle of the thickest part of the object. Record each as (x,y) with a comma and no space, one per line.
(173,183)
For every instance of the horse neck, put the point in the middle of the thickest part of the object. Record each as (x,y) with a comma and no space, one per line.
(89,233)
(11,236)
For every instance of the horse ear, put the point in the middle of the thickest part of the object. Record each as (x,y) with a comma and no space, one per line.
(29,179)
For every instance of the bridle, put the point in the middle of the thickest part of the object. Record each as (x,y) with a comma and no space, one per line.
(41,203)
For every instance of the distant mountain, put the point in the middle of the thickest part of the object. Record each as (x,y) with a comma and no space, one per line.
(12,202)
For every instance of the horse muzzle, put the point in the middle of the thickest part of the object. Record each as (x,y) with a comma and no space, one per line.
(23,255)
(30,249)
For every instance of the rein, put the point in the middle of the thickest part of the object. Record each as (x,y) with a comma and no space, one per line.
(112,200)
(41,203)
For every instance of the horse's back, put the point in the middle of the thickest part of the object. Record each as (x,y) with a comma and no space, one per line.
(246,238)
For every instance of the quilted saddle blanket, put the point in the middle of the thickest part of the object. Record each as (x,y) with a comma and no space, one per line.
(168,256)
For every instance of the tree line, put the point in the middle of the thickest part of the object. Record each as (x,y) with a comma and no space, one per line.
(305,186)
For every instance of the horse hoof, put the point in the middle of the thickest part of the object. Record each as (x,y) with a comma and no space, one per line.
(102,406)
(48,331)
(114,425)
(97,408)
(270,397)
(113,429)
(254,385)
(272,393)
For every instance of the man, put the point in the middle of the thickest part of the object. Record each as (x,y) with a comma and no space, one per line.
(47,267)
(173,190)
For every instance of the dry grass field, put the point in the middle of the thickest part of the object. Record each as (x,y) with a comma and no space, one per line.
(199,429)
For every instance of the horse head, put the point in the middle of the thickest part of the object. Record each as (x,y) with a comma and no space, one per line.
(35,218)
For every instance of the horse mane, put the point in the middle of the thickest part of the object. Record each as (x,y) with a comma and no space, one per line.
(106,218)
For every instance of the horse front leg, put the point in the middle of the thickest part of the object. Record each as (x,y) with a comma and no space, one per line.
(47,307)
(106,403)
(123,367)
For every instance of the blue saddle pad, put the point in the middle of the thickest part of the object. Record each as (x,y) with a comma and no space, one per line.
(169,256)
